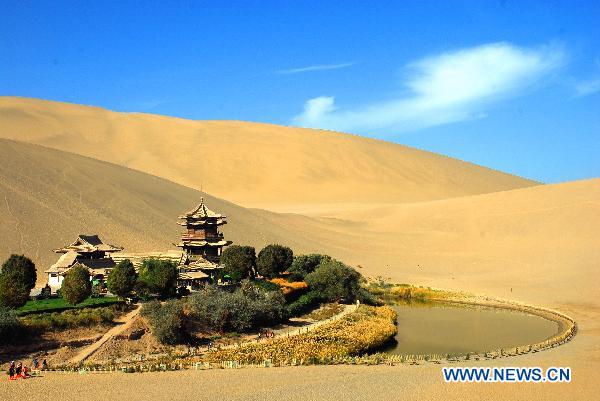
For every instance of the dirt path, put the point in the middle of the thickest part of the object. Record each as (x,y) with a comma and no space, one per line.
(125,322)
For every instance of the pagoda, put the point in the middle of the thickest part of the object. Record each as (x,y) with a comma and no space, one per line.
(202,242)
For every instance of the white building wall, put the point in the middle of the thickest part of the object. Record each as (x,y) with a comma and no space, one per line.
(55,280)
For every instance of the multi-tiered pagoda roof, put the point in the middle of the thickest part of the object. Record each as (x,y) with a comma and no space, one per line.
(202,229)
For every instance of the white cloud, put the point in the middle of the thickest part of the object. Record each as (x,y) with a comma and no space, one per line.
(320,67)
(444,88)
(585,88)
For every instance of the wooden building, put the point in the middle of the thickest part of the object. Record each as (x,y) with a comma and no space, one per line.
(197,262)
(202,244)
(86,250)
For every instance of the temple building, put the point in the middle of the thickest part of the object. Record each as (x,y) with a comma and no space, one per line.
(202,244)
(198,261)
(86,250)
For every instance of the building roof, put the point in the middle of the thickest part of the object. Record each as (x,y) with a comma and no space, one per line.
(202,263)
(64,262)
(88,243)
(95,266)
(192,275)
(203,243)
(201,212)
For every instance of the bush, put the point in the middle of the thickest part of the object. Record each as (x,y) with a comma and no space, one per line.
(166,321)
(239,262)
(304,265)
(239,311)
(76,286)
(17,278)
(273,260)
(122,279)
(305,303)
(10,326)
(69,318)
(334,281)
(158,276)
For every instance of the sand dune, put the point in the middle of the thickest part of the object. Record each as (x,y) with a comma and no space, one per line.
(47,197)
(539,244)
(491,243)
(251,164)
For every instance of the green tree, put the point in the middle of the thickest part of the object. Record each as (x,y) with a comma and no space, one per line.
(122,278)
(17,278)
(76,286)
(239,262)
(247,307)
(158,276)
(335,281)
(14,293)
(304,265)
(273,260)
(166,321)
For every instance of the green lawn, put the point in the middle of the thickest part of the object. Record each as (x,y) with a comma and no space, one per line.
(59,304)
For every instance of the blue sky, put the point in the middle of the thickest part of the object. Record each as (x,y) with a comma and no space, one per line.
(510,85)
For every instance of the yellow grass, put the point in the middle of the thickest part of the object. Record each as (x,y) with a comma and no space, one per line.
(353,334)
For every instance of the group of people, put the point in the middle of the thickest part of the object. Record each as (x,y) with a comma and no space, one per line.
(19,371)
(266,334)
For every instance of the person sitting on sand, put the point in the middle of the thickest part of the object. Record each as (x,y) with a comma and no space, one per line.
(36,363)
(44,364)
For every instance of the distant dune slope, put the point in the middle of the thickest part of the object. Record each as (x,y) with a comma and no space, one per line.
(540,243)
(251,164)
(48,197)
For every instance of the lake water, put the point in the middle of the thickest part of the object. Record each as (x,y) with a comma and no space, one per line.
(448,329)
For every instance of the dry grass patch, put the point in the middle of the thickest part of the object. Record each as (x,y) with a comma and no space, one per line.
(356,333)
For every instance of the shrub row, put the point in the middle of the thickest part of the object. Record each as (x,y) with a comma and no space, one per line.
(69,319)
(247,307)
(304,304)
(10,326)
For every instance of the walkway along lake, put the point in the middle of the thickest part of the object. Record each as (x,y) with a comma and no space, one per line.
(444,328)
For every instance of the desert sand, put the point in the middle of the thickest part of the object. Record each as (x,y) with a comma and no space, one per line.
(250,164)
(537,244)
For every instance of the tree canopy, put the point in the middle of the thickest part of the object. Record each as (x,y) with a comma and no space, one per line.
(166,321)
(273,260)
(245,308)
(17,278)
(158,276)
(76,286)
(304,265)
(335,281)
(239,262)
(13,291)
(122,278)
